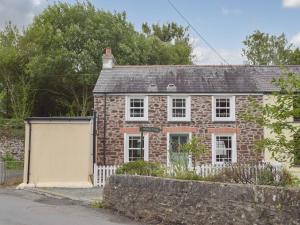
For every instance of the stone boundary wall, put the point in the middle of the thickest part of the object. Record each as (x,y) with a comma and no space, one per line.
(12,145)
(169,201)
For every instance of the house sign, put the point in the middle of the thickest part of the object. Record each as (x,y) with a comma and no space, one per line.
(150,129)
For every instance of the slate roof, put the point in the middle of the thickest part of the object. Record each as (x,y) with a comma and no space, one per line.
(189,79)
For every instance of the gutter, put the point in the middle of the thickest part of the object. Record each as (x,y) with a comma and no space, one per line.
(88,118)
(29,152)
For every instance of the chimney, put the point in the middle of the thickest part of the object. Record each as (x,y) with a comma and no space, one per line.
(108,59)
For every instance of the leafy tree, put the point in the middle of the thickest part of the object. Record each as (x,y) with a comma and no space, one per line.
(278,118)
(294,58)
(167,32)
(66,42)
(264,49)
(194,147)
(16,83)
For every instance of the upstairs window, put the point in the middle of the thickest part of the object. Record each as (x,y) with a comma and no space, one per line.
(179,108)
(136,108)
(223,108)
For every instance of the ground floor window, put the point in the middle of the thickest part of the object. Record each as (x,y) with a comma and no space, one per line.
(135,147)
(224,148)
(175,155)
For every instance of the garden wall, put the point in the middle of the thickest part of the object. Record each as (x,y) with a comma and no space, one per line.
(13,145)
(169,201)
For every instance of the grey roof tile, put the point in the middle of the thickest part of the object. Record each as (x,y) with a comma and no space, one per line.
(189,79)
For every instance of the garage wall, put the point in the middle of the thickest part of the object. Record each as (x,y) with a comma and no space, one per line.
(60,153)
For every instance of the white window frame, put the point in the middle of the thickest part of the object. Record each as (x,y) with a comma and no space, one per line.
(126,145)
(168,142)
(127,108)
(232,108)
(233,144)
(187,109)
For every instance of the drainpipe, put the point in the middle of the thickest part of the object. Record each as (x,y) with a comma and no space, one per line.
(94,136)
(104,131)
(29,152)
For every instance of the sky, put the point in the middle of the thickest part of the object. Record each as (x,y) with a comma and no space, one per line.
(223,23)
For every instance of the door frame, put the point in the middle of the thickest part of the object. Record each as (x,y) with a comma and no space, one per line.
(168,142)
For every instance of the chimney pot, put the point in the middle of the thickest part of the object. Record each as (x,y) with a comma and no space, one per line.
(108,59)
(108,51)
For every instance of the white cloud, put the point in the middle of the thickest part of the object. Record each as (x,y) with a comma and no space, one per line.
(296,39)
(206,56)
(19,12)
(234,12)
(291,3)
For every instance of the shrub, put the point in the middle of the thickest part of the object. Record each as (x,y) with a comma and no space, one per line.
(8,157)
(142,168)
(11,163)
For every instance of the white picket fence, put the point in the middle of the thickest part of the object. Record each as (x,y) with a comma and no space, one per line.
(102,173)
(205,170)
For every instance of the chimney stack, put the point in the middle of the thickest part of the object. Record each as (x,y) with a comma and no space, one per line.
(108,59)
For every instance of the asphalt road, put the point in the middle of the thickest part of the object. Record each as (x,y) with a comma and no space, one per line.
(19,207)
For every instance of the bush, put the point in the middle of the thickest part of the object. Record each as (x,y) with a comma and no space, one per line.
(142,168)
(241,174)
(12,127)
(276,178)
(11,163)
(8,157)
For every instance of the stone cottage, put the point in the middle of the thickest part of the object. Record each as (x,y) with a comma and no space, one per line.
(179,101)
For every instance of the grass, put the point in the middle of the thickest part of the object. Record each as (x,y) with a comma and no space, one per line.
(98,204)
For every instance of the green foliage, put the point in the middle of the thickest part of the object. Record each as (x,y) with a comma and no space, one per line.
(167,32)
(278,117)
(11,163)
(16,84)
(141,168)
(12,127)
(98,204)
(7,157)
(265,49)
(51,67)
(194,147)
(243,174)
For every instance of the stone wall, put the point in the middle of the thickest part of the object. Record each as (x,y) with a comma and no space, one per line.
(201,125)
(168,201)
(13,145)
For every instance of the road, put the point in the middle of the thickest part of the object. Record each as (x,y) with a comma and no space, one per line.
(19,207)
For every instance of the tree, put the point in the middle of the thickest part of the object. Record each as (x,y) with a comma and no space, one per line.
(167,32)
(264,49)
(294,58)
(65,43)
(278,118)
(17,84)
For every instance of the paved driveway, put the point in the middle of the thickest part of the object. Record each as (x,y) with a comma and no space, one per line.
(19,207)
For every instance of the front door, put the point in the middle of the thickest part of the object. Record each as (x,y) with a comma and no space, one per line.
(177,157)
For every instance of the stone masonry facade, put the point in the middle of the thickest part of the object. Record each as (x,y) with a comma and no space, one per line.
(201,125)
